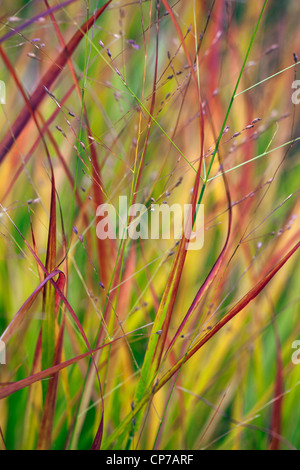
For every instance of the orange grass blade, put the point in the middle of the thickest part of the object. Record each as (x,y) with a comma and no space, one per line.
(38,376)
(251,295)
(21,313)
(48,324)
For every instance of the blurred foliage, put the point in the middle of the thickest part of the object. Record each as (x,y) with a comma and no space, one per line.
(222,397)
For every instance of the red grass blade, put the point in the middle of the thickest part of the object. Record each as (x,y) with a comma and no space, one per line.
(47,81)
(68,306)
(98,438)
(21,313)
(34,147)
(177,268)
(252,294)
(34,19)
(38,376)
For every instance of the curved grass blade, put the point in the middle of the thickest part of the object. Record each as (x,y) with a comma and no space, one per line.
(21,313)
(163,318)
(14,387)
(251,295)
